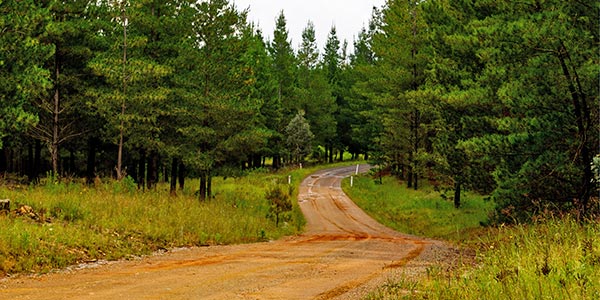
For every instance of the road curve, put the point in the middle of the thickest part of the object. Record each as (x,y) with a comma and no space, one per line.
(342,255)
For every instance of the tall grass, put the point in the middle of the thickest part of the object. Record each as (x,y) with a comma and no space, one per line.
(553,259)
(114,220)
(422,212)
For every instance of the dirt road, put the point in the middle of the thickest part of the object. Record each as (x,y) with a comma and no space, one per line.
(342,255)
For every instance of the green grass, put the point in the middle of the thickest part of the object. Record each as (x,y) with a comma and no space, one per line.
(114,220)
(554,258)
(423,212)
(110,222)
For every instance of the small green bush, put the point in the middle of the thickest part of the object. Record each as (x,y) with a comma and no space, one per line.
(279,203)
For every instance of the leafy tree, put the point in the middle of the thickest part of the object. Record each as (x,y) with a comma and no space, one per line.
(299,137)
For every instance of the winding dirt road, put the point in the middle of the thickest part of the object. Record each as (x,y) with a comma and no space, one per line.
(343,254)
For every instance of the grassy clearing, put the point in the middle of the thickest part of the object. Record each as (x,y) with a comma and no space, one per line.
(422,212)
(555,258)
(114,220)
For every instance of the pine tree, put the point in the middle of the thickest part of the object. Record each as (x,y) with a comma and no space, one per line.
(61,112)
(285,73)
(314,93)
(221,113)
(400,48)
(541,67)
(22,55)
(366,129)
(130,100)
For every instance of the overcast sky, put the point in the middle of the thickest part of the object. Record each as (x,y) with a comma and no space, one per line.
(348,16)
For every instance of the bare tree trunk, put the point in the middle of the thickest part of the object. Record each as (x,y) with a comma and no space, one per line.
(173,185)
(457,194)
(55,114)
(209,185)
(152,173)
(142,170)
(120,174)
(202,190)
(583,119)
(181,174)
(29,162)
(91,161)
(37,161)
(3,159)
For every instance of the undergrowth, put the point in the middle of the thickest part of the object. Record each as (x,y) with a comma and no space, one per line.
(552,258)
(70,222)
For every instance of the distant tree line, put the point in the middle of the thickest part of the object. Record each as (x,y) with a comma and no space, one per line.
(499,97)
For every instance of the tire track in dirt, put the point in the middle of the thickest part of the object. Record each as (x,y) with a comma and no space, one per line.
(341,255)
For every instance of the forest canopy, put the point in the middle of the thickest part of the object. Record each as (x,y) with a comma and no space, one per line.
(499,97)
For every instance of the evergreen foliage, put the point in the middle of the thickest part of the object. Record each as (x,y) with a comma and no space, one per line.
(299,137)
(499,97)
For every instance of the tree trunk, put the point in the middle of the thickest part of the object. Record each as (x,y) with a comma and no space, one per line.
(181,175)
(152,172)
(55,114)
(257,161)
(29,163)
(583,119)
(457,194)
(409,171)
(331,154)
(209,185)
(173,185)
(149,171)
(276,161)
(37,161)
(120,174)
(202,190)
(132,169)
(3,160)
(142,170)
(72,162)
(91,161)
(415,180)
(165,172)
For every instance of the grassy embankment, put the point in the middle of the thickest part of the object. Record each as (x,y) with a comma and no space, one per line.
(554,258)
(114,220)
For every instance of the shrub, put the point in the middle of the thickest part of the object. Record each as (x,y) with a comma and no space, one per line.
(279,202)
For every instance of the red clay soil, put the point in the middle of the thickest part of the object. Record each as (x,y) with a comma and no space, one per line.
(342,255)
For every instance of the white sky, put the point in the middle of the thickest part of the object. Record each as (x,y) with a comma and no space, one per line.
(348,16)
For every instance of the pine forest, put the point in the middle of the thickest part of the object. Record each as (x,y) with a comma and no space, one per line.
(494,96)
